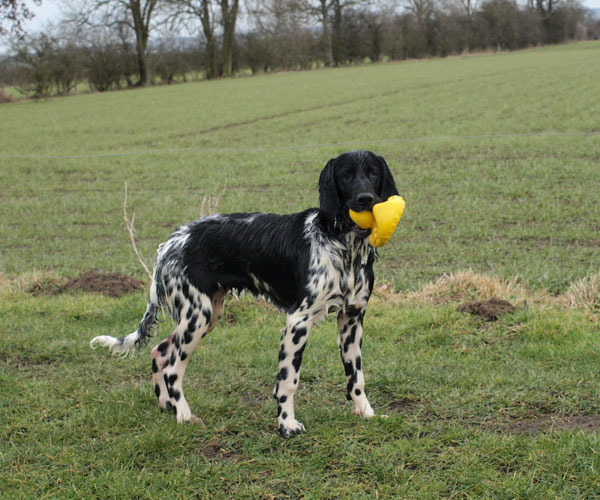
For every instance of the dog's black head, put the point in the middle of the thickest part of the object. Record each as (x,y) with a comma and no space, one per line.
(356,180)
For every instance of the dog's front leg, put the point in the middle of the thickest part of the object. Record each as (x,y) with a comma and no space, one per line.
(293,341)
(350,323)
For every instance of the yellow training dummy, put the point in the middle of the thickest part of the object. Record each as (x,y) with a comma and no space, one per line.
(382,220)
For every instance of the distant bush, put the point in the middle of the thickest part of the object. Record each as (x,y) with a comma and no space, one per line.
(171,62)
(47,67)
(109,66)
(4,97)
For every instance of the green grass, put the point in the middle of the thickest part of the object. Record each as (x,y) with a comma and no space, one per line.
(523,205)
(79,424)
(483,151)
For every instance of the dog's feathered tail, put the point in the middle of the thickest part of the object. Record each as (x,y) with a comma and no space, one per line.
(129,343)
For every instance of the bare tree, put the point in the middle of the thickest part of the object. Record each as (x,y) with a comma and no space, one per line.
(329,13)
(182,11)
(136,15)
(320,10)
(280,38)
(211,14)
(12,15)
(229,12)
(423,10)
(543,7)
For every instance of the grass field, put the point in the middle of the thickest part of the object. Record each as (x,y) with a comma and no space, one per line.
(498,159)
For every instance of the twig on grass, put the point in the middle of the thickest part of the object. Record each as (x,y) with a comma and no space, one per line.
(131,231)
(210,203)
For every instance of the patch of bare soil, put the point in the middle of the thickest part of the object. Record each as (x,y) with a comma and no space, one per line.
(488,310)
(215,451)
(400,405)
(550,423)
(112,284)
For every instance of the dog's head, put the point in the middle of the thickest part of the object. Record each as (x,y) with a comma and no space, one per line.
(356,180)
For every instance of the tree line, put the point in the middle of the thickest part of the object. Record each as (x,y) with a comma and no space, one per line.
(110,44)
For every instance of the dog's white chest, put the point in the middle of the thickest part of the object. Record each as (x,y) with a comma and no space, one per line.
(337,276)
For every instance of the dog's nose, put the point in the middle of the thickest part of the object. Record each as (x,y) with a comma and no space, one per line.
(365,199)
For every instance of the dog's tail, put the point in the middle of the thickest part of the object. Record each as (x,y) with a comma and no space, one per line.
(129,343)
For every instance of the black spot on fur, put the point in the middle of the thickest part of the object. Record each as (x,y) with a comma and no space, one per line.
(163,347)
(183,356)
(283,399)
(278,410)
(348,368)
(171,407)
(357,392)
(283,374)
(297,361)
(300,332)
(349,388)
(350,339)
(154,366)
(207,315)
(284,415)
(191,327)
(172,378)
(157,390)
(176,395)
(282,354)
(358,363)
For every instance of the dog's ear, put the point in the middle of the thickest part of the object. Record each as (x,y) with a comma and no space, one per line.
(387,186)
(329,199)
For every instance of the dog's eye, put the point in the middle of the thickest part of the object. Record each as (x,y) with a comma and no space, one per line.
(373,172)
(348,175)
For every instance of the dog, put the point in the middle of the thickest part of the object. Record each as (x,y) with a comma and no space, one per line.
(306,263)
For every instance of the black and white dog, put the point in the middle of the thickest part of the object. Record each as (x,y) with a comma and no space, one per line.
(305,263)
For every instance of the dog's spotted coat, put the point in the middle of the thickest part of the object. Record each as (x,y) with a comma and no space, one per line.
(306,263)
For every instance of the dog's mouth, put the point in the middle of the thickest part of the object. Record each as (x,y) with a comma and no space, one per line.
(361,233)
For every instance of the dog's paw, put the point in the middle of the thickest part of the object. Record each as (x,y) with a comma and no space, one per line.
(365,412)
(290,428)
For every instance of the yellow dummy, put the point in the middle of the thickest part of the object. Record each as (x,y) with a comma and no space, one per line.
(382,220)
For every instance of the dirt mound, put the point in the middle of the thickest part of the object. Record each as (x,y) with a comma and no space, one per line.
(488,310)
(113,284)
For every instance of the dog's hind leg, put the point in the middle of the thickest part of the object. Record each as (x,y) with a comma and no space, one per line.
(197,314)
(350,325)
(161,356)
